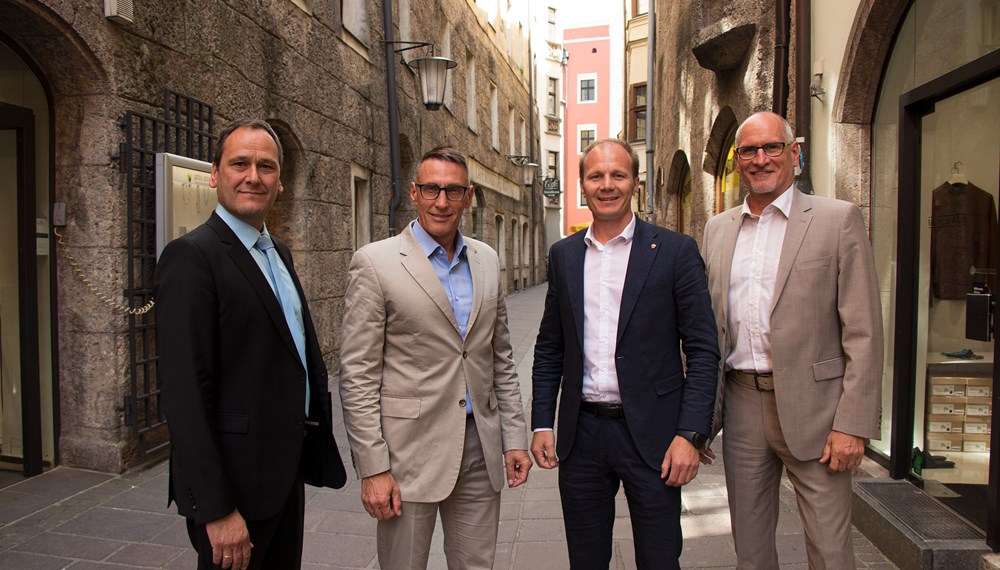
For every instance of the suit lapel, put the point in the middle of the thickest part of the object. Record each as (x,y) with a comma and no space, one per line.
(798,224)
(251,271)
(420,269)
(476,268)
(574,281)
(730,233)
(645,247)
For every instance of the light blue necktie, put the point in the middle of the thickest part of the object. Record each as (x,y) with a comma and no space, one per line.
(284,289)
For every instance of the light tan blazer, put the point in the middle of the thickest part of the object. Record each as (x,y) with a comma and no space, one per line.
(404,369)
(826,321)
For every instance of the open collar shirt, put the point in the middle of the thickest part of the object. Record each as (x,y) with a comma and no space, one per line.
(752,281)
(603,282)
(455,277)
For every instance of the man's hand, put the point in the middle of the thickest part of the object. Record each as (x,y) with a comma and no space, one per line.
(380,496)
(230,541)
(517,463)
(706,455)
(543,448)
(842,451)
(680,463)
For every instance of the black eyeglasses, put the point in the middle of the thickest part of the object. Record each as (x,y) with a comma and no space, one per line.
(431,191)
(770,149)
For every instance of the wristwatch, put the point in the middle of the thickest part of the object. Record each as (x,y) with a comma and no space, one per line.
(699,440)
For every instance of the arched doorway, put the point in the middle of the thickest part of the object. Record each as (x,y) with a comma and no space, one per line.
(27,420)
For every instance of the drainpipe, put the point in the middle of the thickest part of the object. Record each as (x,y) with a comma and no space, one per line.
(391,104)
(531,147)
(779,96)
(803,98)
(650,87)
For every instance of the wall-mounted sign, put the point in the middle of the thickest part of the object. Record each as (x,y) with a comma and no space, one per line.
(184,200)
(550,188)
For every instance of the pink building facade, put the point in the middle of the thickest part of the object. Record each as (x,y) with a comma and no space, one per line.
(588,111)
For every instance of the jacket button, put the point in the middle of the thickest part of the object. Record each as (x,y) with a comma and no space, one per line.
(461,403)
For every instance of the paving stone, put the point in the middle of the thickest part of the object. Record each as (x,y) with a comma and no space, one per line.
(708,552)
(71,546)
(118,524)
(791,548)
(349,551)
(187,560)
(60,482)
(146,555)
(541,530)
(538,555)
(15,505)
(347,522)
(510,510)
(542,510)
(29,561)
(175,535)
(702,526)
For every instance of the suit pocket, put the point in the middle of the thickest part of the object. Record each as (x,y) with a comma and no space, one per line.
(233,423)
(814,263)
(667,385)
(406,408)
(829,369)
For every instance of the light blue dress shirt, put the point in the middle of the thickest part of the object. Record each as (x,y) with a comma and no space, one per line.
(455,277)
(248,235)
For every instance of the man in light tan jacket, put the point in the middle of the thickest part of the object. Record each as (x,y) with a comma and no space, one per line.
(794,291)
(431,400)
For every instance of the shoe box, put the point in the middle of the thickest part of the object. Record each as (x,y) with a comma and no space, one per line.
(958,414)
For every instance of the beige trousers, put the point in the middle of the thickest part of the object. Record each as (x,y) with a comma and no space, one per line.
(470,517)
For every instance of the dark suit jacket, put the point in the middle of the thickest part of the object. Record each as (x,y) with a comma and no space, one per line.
(665,309)
(233,387)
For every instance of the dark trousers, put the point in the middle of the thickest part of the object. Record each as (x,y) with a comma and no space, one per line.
(603,456)
(277,541)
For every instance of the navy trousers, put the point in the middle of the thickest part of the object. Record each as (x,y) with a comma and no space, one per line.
(603,457)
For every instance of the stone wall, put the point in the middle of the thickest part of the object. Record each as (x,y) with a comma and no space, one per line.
(268,59)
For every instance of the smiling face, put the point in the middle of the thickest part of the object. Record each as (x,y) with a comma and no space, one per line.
(766,177)
(441,217)
(247,175)
(608,185)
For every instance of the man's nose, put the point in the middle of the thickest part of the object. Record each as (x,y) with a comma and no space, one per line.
(442,199)
(251,175)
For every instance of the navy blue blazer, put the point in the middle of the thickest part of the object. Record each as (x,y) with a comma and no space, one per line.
(665,309)
(233,386)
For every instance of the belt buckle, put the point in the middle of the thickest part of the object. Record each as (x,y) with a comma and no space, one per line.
(756,382)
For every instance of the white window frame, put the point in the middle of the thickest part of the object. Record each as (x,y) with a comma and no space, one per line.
(579,131)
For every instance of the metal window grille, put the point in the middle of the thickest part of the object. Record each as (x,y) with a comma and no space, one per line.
(185,129)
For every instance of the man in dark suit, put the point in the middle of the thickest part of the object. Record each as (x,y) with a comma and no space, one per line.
(244,386)
(624,299)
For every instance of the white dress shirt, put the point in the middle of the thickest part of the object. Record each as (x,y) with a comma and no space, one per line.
(751,284)
(604,269)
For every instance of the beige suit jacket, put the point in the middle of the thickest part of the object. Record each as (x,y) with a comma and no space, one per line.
(405,368)
(826,321)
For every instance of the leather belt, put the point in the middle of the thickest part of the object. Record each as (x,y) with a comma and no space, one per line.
(612,411)
(763,381)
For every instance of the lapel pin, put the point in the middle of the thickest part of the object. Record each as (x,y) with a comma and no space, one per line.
(652,246)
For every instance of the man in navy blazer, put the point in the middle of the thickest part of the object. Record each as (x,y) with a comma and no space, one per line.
(625,298)
(234,369)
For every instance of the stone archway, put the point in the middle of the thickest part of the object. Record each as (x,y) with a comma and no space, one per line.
(868,48)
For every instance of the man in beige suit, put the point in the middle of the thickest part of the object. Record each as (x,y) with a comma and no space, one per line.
(431,400)
(795,295)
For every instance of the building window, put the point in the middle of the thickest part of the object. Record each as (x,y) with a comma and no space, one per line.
(588,88)
(361,206)
(552,101)
(354,15)
(552,23)
(524,138)
(501,250)
(581,197)
(588,134)
(637,113)
(640,7)
(470,91)
(494,117)
(552,168)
